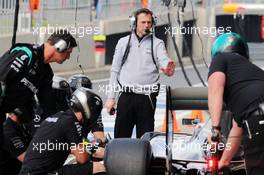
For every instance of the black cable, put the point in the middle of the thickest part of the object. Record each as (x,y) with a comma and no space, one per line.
(152,52)
(127,49)
(166,2)
(77,38)
(177,51)
(15,23)
(169,130)
(239,25)
(192,61)
(199,36)
(189,52)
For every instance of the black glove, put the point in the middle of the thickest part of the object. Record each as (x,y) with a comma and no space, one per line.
(102,142)
(23,114)
(112,111)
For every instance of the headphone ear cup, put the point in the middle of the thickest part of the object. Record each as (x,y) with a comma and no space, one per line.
(132,21)
(154,20)
(61,45)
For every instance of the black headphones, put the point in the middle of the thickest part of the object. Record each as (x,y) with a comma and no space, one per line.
(133,17)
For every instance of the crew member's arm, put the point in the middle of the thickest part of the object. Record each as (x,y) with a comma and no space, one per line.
(99,153)
(216,84)
(99,135)
(167,66)
(113,84)
(80,153)
(98,129)
(232,145)
(15,142)
(74,137)
(21,157)
(82,157)
(22,59)
(98,132)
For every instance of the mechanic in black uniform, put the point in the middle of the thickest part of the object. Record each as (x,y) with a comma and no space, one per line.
(26,76)
(238,83)
(80,80)
(62,134)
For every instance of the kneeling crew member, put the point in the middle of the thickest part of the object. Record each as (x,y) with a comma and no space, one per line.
(62,134)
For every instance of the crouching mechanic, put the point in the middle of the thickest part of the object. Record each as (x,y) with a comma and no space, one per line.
(233,79)
(62,134)
(62,102)
(80,80)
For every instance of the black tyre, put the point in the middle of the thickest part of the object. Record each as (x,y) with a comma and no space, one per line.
(128,157)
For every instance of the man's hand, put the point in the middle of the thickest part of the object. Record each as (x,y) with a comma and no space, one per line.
(99,153)
(170,69)
(110,105)
(98,167)
(13,117)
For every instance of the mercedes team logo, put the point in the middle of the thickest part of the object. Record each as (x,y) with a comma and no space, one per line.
(37,118)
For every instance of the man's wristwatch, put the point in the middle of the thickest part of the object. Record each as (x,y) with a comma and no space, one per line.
(216,133)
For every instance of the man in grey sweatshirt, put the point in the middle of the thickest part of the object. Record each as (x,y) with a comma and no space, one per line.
(135,75)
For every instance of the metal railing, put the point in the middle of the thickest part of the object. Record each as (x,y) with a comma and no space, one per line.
(7,10)
(218,2)
(62,12)
(87,11)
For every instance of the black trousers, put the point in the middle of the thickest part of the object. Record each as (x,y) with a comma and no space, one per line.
(11,166)
(73,169)
(134,109)
(77,169)
(8,165)
(254,148)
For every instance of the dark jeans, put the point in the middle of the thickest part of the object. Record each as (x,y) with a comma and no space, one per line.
(134,109)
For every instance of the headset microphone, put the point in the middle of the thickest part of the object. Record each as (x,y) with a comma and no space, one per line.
(147,31)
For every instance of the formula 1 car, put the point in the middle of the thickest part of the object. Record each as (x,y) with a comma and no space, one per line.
(172,153)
